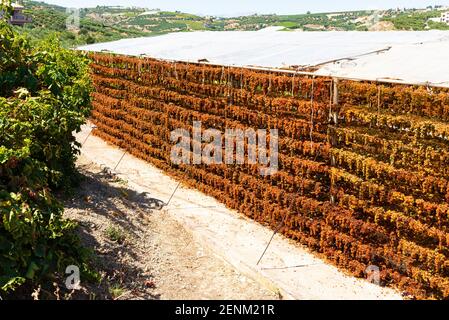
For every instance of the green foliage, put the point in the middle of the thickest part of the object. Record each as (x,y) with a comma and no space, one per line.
(59,77)
(415,20)
(116,290)
(51,20)
(44,97)
(438,25)
(115,234)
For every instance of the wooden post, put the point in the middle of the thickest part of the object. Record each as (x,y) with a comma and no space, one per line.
(335,91)
(335,99)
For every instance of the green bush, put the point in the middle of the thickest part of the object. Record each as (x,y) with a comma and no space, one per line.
(44,98)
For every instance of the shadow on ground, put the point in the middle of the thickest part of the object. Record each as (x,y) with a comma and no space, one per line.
(111,222)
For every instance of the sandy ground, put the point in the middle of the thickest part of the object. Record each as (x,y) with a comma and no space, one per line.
(142,252)
(287,268)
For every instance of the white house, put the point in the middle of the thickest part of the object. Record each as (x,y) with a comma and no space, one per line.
(445,17)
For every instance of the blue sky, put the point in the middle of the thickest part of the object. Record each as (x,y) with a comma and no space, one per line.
(238,7)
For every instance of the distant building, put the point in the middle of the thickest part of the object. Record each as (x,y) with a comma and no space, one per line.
(17,18)
(445,17)
(441,8)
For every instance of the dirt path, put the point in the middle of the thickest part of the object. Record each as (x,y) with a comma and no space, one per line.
(287,267)
(142,252)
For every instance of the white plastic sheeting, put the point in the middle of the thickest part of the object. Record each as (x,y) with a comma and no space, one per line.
(426,63)
(412,56)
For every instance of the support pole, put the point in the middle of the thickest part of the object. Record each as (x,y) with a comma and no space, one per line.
(335,101)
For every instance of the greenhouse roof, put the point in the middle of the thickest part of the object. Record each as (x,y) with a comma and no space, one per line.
(403,56)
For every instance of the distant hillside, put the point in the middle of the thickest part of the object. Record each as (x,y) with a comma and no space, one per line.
(94,26)
(112,23)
